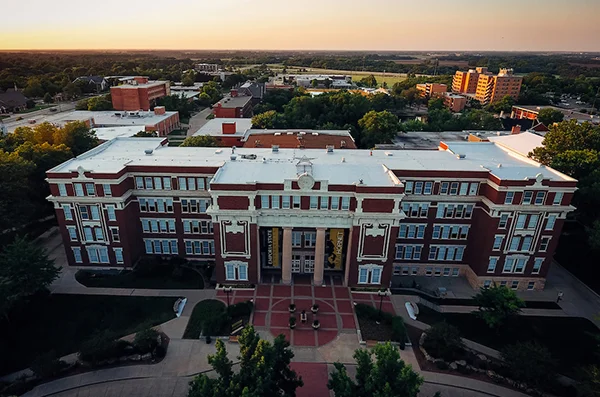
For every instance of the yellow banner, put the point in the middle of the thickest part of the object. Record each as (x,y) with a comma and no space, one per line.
(336,248)
(275,248)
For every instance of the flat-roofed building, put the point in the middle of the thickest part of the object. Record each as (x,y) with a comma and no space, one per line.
(492,88)
(466,82)
(234,105)
(298,138)
(138,94)
(228,132)
(454,102)
(429,90)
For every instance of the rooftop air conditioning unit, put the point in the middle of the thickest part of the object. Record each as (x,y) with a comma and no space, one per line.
(329,148)
(275,148)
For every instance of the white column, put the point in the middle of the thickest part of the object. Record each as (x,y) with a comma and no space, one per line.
(319,257)
(286,263)
(348,257)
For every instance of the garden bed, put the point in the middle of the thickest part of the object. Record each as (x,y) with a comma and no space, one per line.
(570,339)
(61,323)
(163,276)
(390,327)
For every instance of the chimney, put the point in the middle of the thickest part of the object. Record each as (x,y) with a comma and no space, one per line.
(234,93)
(159,110)
(228,128)
(515,130)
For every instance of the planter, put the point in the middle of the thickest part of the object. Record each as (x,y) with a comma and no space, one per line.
(292,322)
(314,309)
(292,308)
(316,325)
(208,339)
(292,326)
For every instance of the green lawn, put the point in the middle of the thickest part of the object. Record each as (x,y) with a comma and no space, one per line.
(203,311)
(62,322)
(212,315)
(569,339)
(160,278)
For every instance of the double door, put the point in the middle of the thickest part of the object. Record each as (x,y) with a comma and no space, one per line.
(302,263)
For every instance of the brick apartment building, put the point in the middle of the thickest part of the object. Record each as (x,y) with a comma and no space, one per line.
(139,94)
(487,87)
(454,102)
(474,210)
(234,105)
(428,90)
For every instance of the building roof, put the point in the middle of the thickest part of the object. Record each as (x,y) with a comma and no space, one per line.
(568,113)
(250,165)
(522,143)
(94,79)
(253,88)
(108,133)
(141,85)
(11,99)
(296,138)
(233,102)
(110,117)
(214,127)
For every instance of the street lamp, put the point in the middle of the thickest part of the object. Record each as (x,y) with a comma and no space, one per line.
(382,294)
(228,291)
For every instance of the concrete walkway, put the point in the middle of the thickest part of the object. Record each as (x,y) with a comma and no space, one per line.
(198,120)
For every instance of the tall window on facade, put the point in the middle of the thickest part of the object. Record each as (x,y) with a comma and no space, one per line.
(236,271)
(62,189)
(67,212)
(510,196)
(369,274)
(158,246)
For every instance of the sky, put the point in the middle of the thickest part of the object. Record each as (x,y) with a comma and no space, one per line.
(411,25)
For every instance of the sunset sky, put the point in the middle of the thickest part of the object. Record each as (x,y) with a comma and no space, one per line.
(536,25)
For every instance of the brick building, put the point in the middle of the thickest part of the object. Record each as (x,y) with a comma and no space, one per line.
(473,210)
(234,105)
(492,89)
(428,90)
(466,82)
(139,94)
(454,102)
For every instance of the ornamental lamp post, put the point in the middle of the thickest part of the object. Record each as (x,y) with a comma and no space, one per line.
(228,291)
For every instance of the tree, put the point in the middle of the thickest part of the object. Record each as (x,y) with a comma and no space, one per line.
(443,340)
(77,136)
(435,103)
(71,90)
(146,340)
(188,79)
(82,104)
(98,103)
(15,205)
(145,134)
(594,235)
(47,98)
(387,376)
(378,127)
(34,88)
(549,116)
(530,364)
(496,304)
(26,269)
(369,81)
(199,141)
(268,119)
(589,385)
(504,105)
(264,370)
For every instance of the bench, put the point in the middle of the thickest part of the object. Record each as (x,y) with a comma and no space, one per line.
(371,343)
(237,327)
(233,339)
(176,305)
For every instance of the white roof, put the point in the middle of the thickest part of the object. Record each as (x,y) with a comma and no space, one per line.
(342,166)
(150,83)
(110,117)
(108,133)
(522,143)
(214,127)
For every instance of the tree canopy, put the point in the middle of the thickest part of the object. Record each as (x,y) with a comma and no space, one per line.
(378,127)
(549,116)
(496,304)
(264,370)
(531,364)
(386,376)
(199,141)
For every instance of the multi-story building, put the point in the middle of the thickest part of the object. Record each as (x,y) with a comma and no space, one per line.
(475,210)
(454,102)
(233,105)
(532,112)
(492,88)
(207,67)
(428,90)
(138,94)
(466,82)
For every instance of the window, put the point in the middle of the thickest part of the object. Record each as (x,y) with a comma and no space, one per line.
(99,234)
(446,252)
(419,188)
(487,283)
(437,271)
(103,255)
(78,189)
(285,202)
(89,189)
(62,189)
(498,242)
(473,188)
(509,262)
(521,219)
(72,233)
(95,211)
(84,213)
(533,220)
(296,202)
(110,210)
(167,183)
(539,198)
(275,202)
(310,239)
(550,222)
(503,283)
(544,243)
(139,182)
(118,254)
(107,190)
(77,254)
(514,284)
(160,246)
(444,187)
(88,235)
(455,272)
(296,239)
(526,243)
(515,242)
(454,211)
(314,200)
(520,265)
(508,199)
(428,271)
(492,264)
(335,203)
(182,183)
(201,184)
(191,183)
(114,231)
(369,274)
(158,182)
(537,265)
(446,271)
(323,202)
(527,196)
(345,203)
(67,211)
(408,187)
(237,271)
(453,188)
(264,201)
(428,188)
(558,198)
(531,285)
(464,189)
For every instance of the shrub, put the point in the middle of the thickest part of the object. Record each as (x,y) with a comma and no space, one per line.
(441,365)
(398,330)
(215,325)
(47,365)
(443,340)
(146,340)
(100,347)
(240,309)
(160,351)
(530,363)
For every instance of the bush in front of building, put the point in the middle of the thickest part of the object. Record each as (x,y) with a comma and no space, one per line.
(443,341)
(240,309)
(103,347)
(146,340)
(395,323)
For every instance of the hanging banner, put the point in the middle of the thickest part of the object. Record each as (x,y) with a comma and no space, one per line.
(275,247)
(335,249)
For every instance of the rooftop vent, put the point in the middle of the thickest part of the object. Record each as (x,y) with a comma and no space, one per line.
(148,152)
(233,157)
(389,154)
(289,133)
(461,156)
(342,144)
(275,148)
(301,133)
(329,148)
(343,159)
(499,165)
(249,156)
(218,151)
(315,133)
(277,133)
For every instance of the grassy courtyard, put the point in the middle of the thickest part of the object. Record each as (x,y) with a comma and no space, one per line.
(570,339)
(61,323)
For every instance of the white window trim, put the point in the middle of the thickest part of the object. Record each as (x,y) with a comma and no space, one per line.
(370,267)
(236,270)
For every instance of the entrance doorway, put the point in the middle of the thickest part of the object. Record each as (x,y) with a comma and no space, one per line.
(309,264)
(296,259)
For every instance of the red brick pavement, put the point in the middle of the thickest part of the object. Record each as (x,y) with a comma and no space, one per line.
(315,377)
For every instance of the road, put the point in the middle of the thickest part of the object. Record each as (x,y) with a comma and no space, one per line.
(39,116)
(198,120)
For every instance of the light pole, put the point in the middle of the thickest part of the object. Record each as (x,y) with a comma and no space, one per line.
(227,292)
(382,294)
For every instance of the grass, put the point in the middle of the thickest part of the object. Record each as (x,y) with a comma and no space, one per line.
(390,327)
(570,339)
(203,311)
(61,323)
(161,278)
